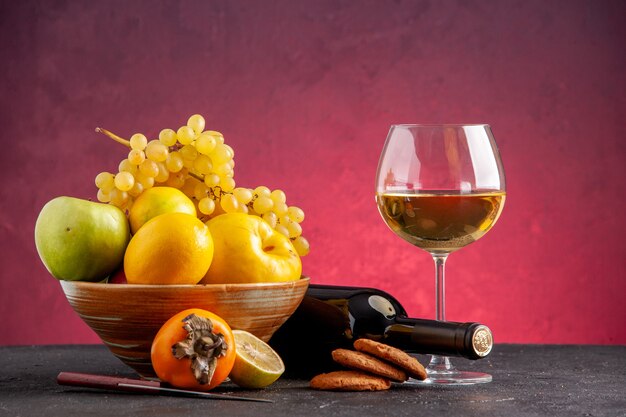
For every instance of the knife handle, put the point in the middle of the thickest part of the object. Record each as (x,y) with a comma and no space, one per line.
(104,382)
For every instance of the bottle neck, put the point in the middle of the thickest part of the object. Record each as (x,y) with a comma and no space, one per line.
(471,340)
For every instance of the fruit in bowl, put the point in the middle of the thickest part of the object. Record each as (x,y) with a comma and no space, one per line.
(247,249)
(156,201)
(79,239)
(172,248)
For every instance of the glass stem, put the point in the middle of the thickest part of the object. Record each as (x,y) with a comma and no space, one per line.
(440,364)
(440,286)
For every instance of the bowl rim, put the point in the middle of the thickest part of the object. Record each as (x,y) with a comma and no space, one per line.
(303,281)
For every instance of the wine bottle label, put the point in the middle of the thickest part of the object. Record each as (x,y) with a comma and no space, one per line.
(482,341)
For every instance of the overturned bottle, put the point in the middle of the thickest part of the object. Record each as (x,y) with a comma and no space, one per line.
(332,317)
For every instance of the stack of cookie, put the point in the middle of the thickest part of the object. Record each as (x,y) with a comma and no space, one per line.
(372,367)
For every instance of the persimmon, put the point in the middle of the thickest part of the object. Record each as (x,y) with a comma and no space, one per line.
(194,349)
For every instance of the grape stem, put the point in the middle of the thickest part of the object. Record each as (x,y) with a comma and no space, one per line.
(127,143)
(196,176)
(113,136)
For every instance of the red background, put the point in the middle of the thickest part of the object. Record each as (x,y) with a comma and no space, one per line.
(305,92)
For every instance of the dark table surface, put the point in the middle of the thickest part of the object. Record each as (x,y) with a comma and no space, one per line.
(528,380)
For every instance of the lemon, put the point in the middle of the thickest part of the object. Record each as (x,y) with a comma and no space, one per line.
(158,200)
(257,365)
(173,248)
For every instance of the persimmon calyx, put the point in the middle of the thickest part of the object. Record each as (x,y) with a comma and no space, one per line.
(202,346)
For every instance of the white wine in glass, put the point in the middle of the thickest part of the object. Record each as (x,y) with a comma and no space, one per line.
(440,188)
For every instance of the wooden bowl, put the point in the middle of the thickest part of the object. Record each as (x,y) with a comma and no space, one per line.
(127,317)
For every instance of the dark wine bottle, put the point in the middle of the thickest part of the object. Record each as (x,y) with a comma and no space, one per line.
(332,317)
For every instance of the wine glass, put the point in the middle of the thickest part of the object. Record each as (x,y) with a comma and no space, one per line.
(440,188)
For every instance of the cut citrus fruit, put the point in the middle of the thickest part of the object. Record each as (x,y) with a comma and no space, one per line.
(257,365)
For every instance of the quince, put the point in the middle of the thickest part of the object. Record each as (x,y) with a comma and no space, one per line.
(249,250)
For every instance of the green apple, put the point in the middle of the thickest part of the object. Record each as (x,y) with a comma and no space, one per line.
(249,250)
(81,240)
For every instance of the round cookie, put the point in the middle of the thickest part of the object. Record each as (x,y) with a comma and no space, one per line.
(393,355)
(367,363)
(349,381)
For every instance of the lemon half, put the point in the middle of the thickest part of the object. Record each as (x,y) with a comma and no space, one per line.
(257,365)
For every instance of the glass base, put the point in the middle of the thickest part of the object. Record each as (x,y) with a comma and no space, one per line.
(442,373)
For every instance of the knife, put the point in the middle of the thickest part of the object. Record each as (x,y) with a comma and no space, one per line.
(139,385)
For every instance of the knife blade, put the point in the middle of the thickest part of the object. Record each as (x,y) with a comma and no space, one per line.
(139,385)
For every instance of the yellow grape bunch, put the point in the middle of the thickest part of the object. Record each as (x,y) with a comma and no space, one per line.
(201,165)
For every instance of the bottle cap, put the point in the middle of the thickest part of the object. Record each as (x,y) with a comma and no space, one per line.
(482,340)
